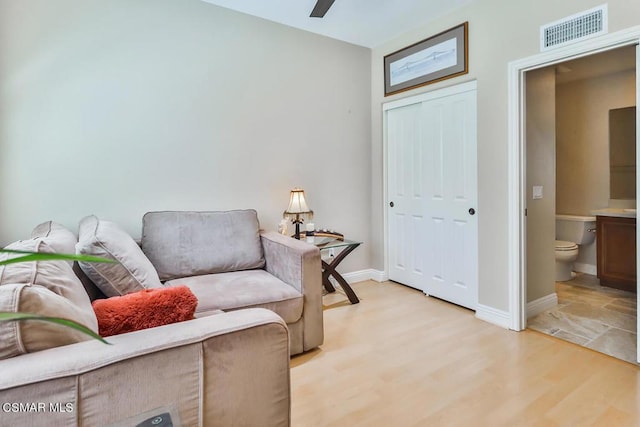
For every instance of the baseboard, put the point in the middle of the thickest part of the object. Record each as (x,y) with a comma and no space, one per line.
(585,268)
(493,315)
(362,275)
(541,304)
(379,275)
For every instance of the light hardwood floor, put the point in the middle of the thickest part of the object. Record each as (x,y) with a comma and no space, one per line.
(400,358)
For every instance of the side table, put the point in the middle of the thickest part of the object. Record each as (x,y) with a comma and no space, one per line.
(329,268)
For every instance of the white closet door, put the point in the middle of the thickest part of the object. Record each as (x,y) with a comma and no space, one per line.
(432,185)
(405,188)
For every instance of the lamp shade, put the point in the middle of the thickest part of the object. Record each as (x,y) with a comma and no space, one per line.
(297,202)
(298,207)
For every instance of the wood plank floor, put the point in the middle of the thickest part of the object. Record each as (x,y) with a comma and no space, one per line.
(400,358)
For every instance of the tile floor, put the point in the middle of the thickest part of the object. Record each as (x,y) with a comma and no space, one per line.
(593,316)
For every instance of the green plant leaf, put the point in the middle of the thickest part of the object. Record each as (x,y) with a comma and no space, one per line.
(42,256)
(6,317)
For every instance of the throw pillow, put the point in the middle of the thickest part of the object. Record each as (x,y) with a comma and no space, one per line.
(144,309)
(27,336)
(63,241)
(49,288)
(131,272)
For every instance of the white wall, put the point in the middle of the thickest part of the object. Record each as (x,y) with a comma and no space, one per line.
(500,31)
(118,107)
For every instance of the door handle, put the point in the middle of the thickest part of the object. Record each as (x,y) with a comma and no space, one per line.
(472,211)
(391,204)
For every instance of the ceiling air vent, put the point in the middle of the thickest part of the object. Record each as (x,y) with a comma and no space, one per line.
(571,29)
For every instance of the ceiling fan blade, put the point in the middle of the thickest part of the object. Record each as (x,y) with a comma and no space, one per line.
(321,8)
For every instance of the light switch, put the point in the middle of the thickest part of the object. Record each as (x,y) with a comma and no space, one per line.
(537,192)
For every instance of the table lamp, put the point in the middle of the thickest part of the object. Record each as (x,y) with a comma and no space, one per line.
(298,210)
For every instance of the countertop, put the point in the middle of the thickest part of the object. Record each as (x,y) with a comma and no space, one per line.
(619,212)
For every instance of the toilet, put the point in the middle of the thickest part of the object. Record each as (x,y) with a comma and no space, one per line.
(571,232)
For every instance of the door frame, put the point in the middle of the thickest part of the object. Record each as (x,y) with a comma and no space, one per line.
(517,262)
(403,102)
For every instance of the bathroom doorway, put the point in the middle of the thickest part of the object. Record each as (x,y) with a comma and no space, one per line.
(568,173)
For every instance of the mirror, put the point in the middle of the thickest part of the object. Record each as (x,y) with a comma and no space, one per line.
(622,153)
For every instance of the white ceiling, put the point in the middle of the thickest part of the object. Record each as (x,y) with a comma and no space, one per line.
(366,23)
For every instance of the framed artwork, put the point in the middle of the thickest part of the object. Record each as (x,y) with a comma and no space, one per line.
(431,60)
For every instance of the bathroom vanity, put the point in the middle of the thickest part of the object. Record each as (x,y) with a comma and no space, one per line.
(616,248)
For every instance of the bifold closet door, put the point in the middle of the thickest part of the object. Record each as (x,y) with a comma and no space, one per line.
(432,195)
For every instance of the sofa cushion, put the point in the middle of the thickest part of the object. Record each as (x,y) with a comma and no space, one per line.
(131,272)
(64,241)
(48,288)
(244,289)
(33,335)
(57,276)
(144,309)
(181,244)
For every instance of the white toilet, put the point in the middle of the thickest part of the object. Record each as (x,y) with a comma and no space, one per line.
(571,231)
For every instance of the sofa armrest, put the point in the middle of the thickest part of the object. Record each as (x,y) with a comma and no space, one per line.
(299,265)
(287,258)
(231,368)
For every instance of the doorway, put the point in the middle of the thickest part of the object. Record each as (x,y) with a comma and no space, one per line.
(517,157)
(568,109)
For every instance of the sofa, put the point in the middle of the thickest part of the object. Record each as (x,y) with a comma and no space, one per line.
(223,370)
(223,257)
(259,299)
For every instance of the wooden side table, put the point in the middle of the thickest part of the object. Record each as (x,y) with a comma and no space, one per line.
(329,268)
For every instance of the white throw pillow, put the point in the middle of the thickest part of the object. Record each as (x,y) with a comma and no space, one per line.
(132,270)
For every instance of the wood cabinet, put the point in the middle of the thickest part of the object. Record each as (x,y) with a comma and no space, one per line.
(616,246)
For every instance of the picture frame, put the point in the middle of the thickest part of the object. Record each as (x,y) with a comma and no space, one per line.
(440,57)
